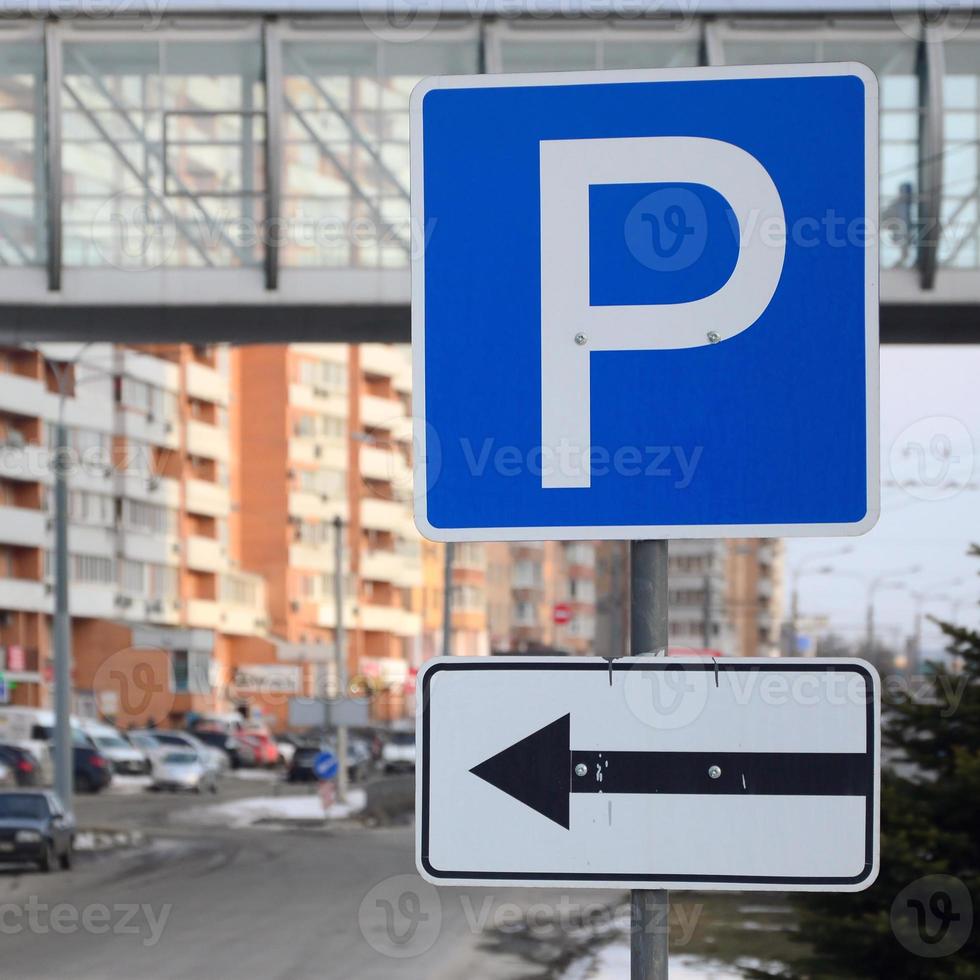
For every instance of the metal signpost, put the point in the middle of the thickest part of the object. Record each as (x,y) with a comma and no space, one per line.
(340,650)
(646,308)
(326,768)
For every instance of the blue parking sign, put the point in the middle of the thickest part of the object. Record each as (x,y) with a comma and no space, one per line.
(645,303)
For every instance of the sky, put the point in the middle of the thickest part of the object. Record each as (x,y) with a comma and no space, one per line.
(930,437)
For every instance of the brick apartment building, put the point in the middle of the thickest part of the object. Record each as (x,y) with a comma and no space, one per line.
(203,488)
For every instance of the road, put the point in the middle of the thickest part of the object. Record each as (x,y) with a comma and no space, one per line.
(288,904)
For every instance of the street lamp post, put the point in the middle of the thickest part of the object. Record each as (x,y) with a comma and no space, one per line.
(885,580)
(63,747)
(800,570)
(920,598)
(341,653)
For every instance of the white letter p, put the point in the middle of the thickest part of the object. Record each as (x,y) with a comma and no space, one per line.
(568,168)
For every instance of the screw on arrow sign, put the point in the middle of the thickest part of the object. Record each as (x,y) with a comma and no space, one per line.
(542,771)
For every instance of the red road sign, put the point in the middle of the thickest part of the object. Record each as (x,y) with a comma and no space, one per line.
(561,614)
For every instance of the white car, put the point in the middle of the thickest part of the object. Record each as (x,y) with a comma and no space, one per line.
(167,739)
(398,752)
(125,758)
(177,769)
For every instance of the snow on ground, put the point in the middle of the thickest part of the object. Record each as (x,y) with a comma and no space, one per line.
(244,813)
(106,840)
(613,962)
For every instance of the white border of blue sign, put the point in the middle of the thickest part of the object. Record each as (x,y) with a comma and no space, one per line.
(626,532)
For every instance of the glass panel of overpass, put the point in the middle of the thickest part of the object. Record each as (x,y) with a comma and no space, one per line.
(163,150)
(531,48)
(345,143)
(22,202)
(893,58)
(960,242)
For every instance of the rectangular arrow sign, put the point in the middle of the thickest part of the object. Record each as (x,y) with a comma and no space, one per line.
(677,772)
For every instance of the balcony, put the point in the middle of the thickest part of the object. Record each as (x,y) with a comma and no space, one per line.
(318,399)
(143,428)
(210,499)
(159,549)
(311,557)
(388,619)
(204,613)
(386,515)
(327,614)
(526,575)
(29,463)
(381,464)
(22,526)
(382,360)
(24,595)
(382,413)
(242,621)
(318,452)
(525,618)
(93,601)
(23,396)
(580,554)
(390,566)
(205,383)
(206,554)
(316,506)
(207,441)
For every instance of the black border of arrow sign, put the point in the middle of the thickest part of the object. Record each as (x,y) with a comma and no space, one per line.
(761,882)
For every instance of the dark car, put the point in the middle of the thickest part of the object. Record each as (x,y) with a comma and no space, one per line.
(22,763)
(301,765)
(92,770)
(34,828)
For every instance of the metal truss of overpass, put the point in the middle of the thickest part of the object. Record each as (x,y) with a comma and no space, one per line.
(245,177)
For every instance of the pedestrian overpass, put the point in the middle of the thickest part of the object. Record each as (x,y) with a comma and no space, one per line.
(225,172)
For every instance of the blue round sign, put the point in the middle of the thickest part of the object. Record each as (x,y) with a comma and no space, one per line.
(325,765)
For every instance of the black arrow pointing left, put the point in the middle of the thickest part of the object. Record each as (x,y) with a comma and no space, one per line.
(542,771)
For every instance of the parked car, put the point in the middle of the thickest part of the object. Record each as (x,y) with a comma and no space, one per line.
(398,752)
(214,759)
(124,757)
(22,763)
(235,752)
(7,777)
(32,729)
(183,769)
(35,828)
(286,744)
(262,744)
(93,771)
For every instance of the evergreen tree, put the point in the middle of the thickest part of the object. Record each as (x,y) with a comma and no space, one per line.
(930,825)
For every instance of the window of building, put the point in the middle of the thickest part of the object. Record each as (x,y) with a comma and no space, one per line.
(149,518)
